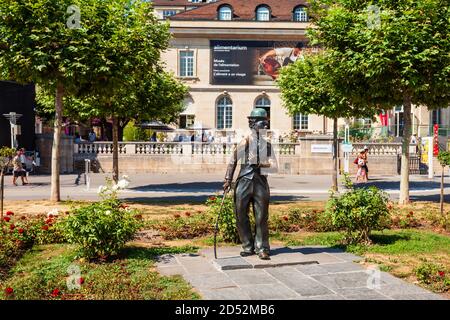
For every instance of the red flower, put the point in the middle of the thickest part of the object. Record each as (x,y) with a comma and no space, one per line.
(176,216)
(20,230)
(285,218)
(187,213)
(123,206)
(48,221)
(55,293)
(138,216)
(212,198)
(9,291)
(9,213)
(50,216)
(411,213)
(81,280)
(23,218)
(11,227)
(441,274)
(45,228)
(7,219)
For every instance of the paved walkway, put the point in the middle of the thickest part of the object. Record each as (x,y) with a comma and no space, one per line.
(305,273)
(195,188)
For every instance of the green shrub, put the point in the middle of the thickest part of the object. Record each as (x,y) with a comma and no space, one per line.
(358,212)
(133,133)
(101,229)
(227,220)
(433,275)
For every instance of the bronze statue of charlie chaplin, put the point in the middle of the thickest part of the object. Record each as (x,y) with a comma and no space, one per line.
(257,159)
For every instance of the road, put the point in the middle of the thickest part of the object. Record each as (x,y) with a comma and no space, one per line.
(195,187)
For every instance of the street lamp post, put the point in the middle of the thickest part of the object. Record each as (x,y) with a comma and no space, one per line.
(13,117)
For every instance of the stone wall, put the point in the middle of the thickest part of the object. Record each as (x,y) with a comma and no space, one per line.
(44,147)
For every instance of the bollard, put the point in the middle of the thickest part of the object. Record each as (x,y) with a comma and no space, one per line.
(87,170)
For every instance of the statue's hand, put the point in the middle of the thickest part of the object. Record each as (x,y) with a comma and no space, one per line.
(227,185)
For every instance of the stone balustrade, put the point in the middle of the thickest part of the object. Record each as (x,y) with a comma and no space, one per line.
(381,149)
(171,148)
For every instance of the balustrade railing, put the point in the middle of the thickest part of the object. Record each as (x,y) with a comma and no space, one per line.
(382,149)
(171,148)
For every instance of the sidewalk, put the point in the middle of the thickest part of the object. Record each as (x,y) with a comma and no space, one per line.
(303,273)
(192,188)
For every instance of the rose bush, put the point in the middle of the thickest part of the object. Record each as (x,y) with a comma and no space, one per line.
(101,229)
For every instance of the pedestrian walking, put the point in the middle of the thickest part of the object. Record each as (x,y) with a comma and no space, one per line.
(361,174)
(23,161)
(366,159)
(18,170)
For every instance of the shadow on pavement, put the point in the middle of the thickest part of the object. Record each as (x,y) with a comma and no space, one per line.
(396,184)
(171,199)
(181,187)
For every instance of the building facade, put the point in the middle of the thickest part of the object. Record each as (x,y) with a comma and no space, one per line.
(229,53)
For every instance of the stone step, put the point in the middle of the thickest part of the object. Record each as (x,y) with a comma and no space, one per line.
(253,262)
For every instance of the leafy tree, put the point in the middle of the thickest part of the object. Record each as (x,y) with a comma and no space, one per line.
(312,86)
(399,48)
(78,47)
(149,96)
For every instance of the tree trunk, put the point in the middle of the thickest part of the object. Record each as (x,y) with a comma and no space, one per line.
(404,172)
(115,130)
(442,191)
(335,155)
(55,187)
(2,186)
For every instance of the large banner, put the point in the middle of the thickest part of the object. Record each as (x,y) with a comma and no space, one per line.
(251,62)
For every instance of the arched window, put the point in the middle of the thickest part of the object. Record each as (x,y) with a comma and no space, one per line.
(300,14)
(225,13)
(263,13)
(264,103)
(224,113)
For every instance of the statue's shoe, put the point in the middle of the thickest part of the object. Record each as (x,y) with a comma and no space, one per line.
(247,253)
(263,256)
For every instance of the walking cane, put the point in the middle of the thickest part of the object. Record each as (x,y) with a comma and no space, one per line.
(217,222)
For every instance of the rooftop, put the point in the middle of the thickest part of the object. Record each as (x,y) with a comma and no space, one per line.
(243,10)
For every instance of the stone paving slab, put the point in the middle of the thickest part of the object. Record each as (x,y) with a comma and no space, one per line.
(333,276)
(229,258)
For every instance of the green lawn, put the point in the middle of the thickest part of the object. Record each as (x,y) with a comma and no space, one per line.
(131,276)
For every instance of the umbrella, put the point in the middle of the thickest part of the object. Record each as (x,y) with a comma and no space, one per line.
(154,125)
